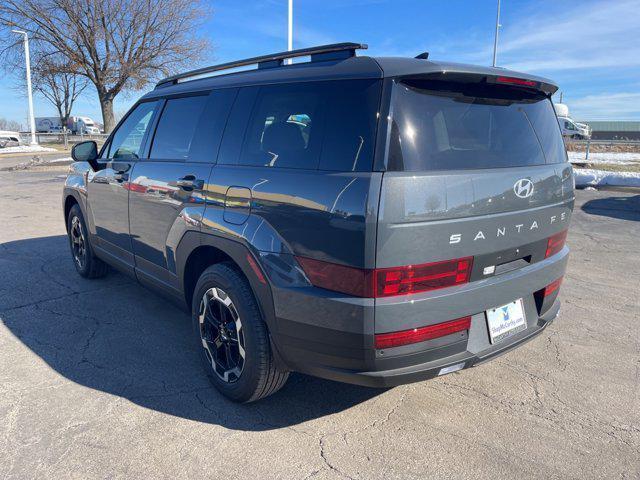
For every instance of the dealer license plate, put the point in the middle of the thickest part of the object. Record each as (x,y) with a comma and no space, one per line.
(506,321)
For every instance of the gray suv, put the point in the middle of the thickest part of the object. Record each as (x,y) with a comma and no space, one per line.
(375,221)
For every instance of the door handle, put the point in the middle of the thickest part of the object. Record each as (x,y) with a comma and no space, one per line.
(189,182)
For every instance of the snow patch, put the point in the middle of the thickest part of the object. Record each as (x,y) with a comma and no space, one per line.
(618,158)
(27,149)
(587,177)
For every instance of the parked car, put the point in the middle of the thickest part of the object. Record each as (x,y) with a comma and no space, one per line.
(9,139)
(375,221)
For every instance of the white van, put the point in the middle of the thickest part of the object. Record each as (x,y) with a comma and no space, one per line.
(573,129)
(569,127)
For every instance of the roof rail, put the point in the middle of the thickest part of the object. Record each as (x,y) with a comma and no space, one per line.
(320,53)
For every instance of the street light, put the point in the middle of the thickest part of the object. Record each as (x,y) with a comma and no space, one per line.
(495,41)
(290,31)
(32,122)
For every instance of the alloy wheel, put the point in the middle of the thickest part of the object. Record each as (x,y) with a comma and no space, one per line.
(221,334)
(78,243)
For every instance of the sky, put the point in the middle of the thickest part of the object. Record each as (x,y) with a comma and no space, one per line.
(590,48)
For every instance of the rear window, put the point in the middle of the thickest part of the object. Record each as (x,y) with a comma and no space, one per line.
(448,126)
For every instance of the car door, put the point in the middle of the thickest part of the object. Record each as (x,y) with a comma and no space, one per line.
(108,188)
(166,198)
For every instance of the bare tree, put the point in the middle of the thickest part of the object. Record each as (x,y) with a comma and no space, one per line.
(11,125)
(116,44)
(59,85)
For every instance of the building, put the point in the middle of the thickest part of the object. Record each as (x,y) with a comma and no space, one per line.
(629,130)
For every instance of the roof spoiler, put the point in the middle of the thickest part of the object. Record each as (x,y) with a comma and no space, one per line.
(509,78)
(335,51)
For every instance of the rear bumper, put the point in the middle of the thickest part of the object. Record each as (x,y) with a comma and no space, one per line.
(428,370)
(332,336)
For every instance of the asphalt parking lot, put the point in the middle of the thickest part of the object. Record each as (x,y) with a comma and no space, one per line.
(98,379)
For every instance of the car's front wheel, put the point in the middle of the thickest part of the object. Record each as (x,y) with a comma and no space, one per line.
(87,265)
(232,336)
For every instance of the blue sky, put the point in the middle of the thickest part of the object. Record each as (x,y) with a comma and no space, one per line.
(591,48)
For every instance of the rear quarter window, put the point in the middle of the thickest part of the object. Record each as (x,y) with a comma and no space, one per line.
(313,126)
(448,126)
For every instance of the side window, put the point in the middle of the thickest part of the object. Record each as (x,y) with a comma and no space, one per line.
(176,128)
(285,128)
(128,141)
(208,135)
(350,132)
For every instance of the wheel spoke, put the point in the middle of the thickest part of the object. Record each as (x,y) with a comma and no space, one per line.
(221,310)
(228,355)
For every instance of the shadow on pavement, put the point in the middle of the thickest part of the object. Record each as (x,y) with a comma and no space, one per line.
(624,208)
(114,336)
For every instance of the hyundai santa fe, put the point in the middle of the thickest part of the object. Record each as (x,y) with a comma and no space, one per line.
(376,221)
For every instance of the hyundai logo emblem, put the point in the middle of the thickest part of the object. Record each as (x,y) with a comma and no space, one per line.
(523,188)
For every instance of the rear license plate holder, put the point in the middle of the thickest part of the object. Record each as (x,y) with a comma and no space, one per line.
(505,321)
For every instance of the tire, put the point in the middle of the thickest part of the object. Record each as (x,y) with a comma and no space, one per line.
(237,356)
(86,263)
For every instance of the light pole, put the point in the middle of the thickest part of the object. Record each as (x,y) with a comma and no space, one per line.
(495,41)
(32,122)
(290,31)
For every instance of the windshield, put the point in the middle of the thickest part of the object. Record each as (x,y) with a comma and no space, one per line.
(449,126)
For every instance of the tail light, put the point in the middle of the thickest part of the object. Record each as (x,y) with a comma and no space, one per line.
(415,335)
(552,287)
(338,278)
(555,243)
(387,282)
(422,278)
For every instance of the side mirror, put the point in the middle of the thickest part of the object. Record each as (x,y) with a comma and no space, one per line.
(86,152)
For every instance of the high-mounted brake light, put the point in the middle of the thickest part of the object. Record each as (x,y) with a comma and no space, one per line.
(415,335)
(421,278)
(387,282)
(552,287)
(516,81)
(555,243)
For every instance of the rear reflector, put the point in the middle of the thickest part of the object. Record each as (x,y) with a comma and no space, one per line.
(517,81)
(422,278)
(415,335)
(256,269)
(339,278)
(552,287)
(555,243)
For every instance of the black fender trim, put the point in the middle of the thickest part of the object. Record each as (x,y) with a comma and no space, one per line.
(238,253)
(71,192)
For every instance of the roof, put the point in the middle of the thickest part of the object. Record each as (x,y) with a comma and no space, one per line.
(272,70)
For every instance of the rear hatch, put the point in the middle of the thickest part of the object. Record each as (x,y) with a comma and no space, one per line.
(476,170)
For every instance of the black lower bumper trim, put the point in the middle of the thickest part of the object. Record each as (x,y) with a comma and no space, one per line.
(426,371)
